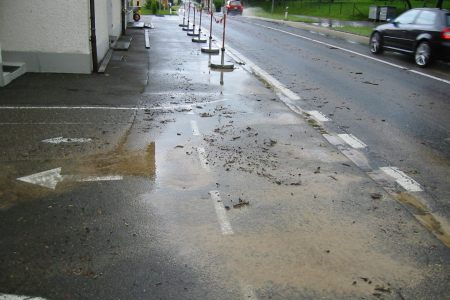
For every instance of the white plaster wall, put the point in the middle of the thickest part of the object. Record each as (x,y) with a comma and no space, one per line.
(116,26)
(53,26)
(101,28)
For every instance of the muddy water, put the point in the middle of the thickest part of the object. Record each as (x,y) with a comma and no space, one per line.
(425,217)
(118,161)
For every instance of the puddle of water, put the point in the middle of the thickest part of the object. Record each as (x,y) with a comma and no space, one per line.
(119,161)
(425,217)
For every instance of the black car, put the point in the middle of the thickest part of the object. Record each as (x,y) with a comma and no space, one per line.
(423,32)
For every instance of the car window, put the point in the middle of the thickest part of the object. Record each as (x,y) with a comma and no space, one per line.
(426,18)
(408,17)
(235,2)
(448,19)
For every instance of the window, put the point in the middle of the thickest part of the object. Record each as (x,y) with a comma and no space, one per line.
(408,17)
(426,18)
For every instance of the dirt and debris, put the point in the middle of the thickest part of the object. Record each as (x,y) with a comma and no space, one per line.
(241,203)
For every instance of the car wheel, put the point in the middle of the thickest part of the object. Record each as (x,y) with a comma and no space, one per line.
(422,55)
(376,43)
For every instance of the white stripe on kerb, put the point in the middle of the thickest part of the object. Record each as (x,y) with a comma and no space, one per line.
(225,225)
(194,127)
(402,179)
(202,157)
(333,140)
(318,116)
(352,140)
(253,68)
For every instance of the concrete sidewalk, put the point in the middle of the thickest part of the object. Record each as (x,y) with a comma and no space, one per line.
(228,191)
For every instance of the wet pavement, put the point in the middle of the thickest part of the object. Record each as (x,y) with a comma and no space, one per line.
(192,189)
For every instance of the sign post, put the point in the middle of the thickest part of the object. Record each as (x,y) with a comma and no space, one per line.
(199,40)
(189,15)
(222,65)
(209,49)
(193,26)
(184,16)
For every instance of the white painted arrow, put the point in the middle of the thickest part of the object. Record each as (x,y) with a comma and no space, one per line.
(48,179)
(51,178)
(60,139)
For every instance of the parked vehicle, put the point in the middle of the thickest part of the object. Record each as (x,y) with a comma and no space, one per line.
(422,32)
(234,7)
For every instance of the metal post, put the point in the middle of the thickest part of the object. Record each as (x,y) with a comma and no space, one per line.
(193,27)
(209,49)
(222,60)
(189,15)
(222,65)
(184,15)
(199,40)
(286,13)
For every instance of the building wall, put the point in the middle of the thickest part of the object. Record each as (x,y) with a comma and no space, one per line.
(116,27)
(49,35)
(102,27)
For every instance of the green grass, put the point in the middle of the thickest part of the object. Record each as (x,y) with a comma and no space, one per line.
(341,10)
(280,16)
(360,30)
(145,11)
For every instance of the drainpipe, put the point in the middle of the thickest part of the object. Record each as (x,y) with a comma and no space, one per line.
(93,37)
(124,12)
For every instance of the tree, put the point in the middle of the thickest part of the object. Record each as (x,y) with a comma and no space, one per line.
(408,2)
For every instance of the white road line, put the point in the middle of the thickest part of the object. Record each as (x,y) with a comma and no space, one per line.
(147,38)
(167,107)
(318,116)
(194,127)
(72,107)
(352,140)
(99,178)
(355,53)
(225,225)
(202,157)
(17,297)
(60,139)
(402,179)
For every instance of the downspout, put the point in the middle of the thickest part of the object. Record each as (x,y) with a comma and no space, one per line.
(93,37)
(124,10)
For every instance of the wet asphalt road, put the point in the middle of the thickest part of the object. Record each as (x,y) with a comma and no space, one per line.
(225,193)
(402,117)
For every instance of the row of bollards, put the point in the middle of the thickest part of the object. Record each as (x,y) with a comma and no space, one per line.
(198,36)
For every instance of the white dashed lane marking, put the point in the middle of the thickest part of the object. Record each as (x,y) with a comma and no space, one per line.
(225,225)
(202,157)
(194,126)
